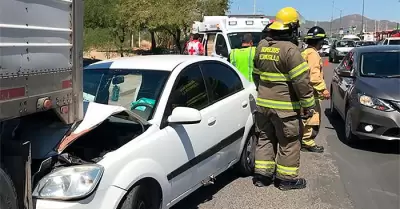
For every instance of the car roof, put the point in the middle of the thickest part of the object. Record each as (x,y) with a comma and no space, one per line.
(149,62)
(377,48)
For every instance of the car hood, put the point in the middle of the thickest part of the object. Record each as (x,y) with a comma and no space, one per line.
(383,88)
(344,49)
(55,139)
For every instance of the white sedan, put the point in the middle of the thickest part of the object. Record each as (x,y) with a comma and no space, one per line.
(156,129)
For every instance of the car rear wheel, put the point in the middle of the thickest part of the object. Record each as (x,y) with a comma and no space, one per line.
(245,166)
(350,138)
(8,197)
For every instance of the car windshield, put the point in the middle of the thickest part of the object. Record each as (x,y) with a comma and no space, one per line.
(380,64)
(394,42)
(137,90)
(235,39)
(345,44)
(325,42)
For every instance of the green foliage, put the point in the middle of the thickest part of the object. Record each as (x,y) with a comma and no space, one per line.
(119,18)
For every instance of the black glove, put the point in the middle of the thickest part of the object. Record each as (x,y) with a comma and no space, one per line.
(307,113)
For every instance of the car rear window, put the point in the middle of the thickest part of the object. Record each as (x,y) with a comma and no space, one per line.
(380,63)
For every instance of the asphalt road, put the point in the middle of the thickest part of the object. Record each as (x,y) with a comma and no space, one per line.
(362,177)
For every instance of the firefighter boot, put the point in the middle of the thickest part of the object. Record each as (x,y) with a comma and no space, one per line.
(284,185)
(315,148)
(263,181)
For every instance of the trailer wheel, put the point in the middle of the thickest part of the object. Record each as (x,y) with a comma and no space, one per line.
(8,197)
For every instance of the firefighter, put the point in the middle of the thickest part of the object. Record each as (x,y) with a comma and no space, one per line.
(282,79)
(242,58)
(314,40)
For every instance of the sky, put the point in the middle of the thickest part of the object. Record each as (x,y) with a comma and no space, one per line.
(321,10)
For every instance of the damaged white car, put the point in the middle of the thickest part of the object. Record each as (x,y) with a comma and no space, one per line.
(156,129)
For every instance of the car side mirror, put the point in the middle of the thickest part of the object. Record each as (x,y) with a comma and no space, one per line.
(346,73)
(118,80)
(185,115)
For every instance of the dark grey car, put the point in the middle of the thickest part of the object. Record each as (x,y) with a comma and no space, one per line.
(366,93)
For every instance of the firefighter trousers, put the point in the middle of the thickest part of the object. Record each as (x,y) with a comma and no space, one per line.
(310,125)
(278,148)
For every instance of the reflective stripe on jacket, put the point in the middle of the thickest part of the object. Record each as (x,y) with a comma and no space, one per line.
(242,59)
(282,76)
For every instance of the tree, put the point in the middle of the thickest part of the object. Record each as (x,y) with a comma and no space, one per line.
(105,14)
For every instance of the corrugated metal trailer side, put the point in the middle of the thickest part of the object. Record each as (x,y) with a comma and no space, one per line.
(41,53)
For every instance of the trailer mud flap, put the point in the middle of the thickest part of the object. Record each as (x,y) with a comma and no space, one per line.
(19,167)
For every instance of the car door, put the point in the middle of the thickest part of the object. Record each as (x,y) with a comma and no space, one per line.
(229,106)
(221,47)
(344,83)
(197,139)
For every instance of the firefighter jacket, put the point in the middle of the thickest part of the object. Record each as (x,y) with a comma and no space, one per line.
(316,74)
(242,59)
(282,78)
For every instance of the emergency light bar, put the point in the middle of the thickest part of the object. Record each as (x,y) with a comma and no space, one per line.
(249,22)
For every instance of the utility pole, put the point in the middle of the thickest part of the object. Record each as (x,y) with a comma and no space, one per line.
(333,7)
(362,17)
(341,10)
(254,7)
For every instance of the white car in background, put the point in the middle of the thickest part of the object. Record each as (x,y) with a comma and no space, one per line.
(325,48)
(339,49)
(156,129)
(391,41)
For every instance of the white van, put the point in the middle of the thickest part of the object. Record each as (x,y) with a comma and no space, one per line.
(221,34)
(351,37)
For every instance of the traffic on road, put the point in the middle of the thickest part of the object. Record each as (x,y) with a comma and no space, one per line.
(251,114)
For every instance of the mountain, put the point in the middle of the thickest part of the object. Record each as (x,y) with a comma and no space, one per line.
(349,21)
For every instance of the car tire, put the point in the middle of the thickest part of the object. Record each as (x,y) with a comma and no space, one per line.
(332,111)
(142,196)
(330,58)
(8,196)
(245,166)
(349,137)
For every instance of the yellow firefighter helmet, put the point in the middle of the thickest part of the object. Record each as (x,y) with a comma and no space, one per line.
(286,17)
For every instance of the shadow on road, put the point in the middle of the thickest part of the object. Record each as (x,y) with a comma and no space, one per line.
(378,146)
(206,194)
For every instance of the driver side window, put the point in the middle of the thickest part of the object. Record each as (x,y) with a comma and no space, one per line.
(220,47)
(189,90)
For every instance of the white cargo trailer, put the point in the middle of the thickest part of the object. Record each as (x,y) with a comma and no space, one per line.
(40,58)
(41,54)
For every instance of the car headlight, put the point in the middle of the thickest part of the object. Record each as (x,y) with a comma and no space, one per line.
(374,103)
(69,183)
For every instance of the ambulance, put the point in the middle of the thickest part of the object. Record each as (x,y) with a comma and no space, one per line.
(221,34)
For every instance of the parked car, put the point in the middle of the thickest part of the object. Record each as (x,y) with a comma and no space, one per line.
(156,129)
(364,43)
(391,41)
(325,48)
(339,49)
(366,93)
(87,61)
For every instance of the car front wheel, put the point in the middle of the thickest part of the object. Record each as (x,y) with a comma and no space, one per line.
(350,138)
(246,163)
(142,196)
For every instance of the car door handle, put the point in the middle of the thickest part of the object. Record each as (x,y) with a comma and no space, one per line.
(211,121)
(244,104)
